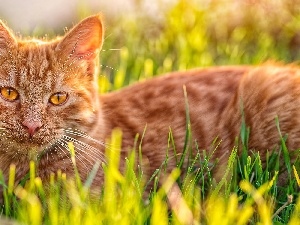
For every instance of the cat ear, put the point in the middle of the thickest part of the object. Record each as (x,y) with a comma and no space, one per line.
(84,40)
(7,39)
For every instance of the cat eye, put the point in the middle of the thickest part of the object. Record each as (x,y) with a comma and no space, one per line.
(58,98)
(9,93)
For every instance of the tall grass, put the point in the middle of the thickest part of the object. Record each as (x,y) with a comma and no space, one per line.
(193,34)
(122,200)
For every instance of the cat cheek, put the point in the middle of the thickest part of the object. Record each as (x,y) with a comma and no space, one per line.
(89,116)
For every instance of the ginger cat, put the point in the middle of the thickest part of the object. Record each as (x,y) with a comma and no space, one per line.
(49,97)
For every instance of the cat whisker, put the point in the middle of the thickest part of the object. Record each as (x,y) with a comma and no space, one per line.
(108,36)
(84,150)
(88,150)
(79,157)
(82,134)
(91,151)
(111,49)
(61,148)
(109,67)
(63,152)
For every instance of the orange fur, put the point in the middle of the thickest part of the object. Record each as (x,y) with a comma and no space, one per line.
(36,70)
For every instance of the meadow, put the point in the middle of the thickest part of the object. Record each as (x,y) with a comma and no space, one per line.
(195,33)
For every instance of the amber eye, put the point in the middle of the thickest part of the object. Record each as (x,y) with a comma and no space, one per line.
(58,98)
(9,93)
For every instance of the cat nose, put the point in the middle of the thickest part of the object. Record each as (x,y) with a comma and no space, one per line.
(32,126)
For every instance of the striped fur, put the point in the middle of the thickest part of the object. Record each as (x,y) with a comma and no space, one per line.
(37,69)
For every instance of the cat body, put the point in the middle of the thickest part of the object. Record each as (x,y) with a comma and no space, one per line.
(217,99)
(49,97)
(158,107)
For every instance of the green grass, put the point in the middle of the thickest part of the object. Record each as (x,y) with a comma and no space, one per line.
(180,200)
(193,34)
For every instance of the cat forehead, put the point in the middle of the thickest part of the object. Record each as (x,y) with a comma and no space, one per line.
(31,64)
(32,50)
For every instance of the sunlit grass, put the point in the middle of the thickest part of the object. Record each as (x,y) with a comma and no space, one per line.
(63,201)
(192,35)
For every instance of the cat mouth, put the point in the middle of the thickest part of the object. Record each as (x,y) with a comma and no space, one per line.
(29,146)
(24,145)
(32,146)
(30,142)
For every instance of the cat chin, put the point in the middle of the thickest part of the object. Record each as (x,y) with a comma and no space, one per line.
(24,148)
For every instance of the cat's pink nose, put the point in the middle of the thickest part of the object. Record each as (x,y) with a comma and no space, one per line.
(32,126)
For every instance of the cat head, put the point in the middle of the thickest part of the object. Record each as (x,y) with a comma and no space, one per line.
(48,87)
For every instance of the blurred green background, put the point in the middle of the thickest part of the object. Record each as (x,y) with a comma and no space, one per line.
(145,38)
(200,33)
